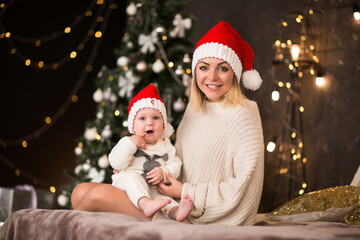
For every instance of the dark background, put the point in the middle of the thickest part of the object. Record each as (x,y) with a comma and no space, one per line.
(331,117)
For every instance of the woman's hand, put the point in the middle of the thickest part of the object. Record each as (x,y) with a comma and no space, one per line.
(156,176)
(174,190)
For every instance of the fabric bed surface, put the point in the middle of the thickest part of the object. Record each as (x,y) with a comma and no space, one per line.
(71,224)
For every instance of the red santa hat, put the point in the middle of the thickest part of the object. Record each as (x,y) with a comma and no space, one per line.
(222,41)
(148,98)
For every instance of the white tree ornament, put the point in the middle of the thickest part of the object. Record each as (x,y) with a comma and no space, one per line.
(180,26)
(98,95)
(103,161)
(147,42)
(96,176)
(158,66)
(62,200)
(90,133)
(127,83)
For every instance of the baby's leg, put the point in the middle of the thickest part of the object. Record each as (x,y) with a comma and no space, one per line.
(180,213)
(151,206)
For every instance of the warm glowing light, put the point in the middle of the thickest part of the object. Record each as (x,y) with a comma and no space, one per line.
(311,12)
(293,151)
(74,98)
(2,5)
(280,84)
(289,42)
(288,85)
(27,62)
(316,59)
(67,30)
(294,157)
(283,170)
(7,34)
(320,81)
(37,43)
(40,64)
(301,145)
(171,64)
(98,137)
(298,20)
(300,74)
(357,16)
(17,172)
(303,38)
(117,113)
(296,64)
(301,109)
(293,135)
(301,192)
(100,19)
(291,67)
(312,71)
(88,13)
(73,54)
(98,34)
(277,43)
(295,51)
(164,38)
(52,189)
(284,24)
(275,95)
(24,144)
(111,78)
(304,160)
(283,45)
(312,47)
(47,120)
(99,2)
(13,51)
(304,185)
(271,146)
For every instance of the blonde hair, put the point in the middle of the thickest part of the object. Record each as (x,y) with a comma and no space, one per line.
(231,99)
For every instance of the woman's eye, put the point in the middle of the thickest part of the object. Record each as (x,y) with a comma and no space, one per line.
(224,69)
(203,68)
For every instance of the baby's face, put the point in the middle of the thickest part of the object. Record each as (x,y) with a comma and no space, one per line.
(149,124)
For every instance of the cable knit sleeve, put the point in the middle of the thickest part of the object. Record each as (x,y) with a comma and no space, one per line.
(121,155)
(232,194)
(173,164)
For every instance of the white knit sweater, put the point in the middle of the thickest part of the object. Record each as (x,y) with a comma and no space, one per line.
(222,150)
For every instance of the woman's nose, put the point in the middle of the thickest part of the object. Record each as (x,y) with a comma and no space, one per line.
(212,74)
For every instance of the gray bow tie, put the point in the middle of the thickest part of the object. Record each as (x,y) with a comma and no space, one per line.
(151,163)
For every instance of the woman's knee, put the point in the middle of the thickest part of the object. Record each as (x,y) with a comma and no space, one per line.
(78,193)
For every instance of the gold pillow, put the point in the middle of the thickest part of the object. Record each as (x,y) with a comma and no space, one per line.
(330,204)
(353,217)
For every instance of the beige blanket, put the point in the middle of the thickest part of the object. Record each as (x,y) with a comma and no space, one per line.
(70,224)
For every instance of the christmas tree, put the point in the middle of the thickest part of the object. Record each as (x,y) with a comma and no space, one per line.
(155,49)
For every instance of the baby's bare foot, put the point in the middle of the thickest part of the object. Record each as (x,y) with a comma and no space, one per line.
(185,207)
(153,205)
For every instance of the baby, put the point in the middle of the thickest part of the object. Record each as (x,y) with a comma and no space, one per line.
(142,160)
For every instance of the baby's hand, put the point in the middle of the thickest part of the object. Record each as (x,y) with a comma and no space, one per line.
(139,141)
(156,176)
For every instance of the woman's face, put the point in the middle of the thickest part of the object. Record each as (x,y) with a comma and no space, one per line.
(214,78)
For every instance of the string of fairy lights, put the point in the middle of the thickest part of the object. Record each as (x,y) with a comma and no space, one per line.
(96,30)
(295,56)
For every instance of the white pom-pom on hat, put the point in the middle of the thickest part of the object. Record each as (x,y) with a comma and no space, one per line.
(251,80)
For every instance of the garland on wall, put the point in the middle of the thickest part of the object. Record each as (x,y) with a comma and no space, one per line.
(100,11)
(296,60)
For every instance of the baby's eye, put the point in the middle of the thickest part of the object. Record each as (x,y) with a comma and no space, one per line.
(142,118)
(156,118)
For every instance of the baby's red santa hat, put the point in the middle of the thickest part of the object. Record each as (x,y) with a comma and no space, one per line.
(148,98)
(223,42)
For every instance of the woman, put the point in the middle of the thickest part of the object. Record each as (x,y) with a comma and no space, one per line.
(219,140)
